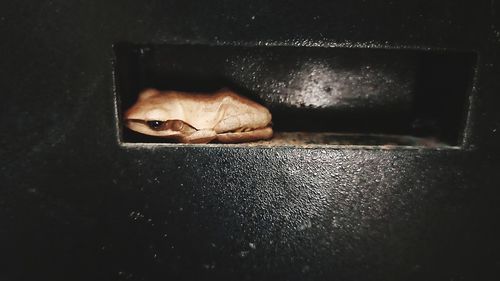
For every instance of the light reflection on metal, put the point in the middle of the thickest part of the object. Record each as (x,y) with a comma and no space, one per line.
(320,85)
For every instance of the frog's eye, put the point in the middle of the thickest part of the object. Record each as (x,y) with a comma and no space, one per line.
(155,124)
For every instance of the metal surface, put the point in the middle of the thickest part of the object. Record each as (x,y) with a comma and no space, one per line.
(76,205)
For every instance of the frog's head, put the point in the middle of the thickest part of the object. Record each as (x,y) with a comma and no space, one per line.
(156,114)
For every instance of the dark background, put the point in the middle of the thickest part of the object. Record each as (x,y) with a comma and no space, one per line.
(76,205)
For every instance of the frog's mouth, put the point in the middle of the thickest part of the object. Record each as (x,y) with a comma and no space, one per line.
(159,128)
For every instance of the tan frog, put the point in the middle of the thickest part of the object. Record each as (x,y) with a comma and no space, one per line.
(223,116)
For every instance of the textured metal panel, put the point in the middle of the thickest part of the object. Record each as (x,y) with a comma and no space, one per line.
(76,205)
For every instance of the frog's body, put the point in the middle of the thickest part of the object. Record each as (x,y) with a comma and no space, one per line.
(223,116)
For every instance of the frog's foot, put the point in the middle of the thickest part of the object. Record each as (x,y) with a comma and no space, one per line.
(201,136)
(236,137)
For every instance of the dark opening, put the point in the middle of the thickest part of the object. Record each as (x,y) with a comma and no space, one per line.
(377,96)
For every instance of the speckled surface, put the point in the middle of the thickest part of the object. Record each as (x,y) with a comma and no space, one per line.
(77,205)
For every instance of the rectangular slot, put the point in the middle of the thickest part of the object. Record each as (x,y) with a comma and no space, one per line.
(324,96)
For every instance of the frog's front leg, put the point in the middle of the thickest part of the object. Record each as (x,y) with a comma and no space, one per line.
(200,136)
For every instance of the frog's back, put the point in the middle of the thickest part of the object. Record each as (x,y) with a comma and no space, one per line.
(207,110)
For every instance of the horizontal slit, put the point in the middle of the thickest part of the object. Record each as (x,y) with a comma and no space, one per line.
(324,96)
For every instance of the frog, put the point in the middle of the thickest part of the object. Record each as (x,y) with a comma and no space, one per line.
(223,116)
